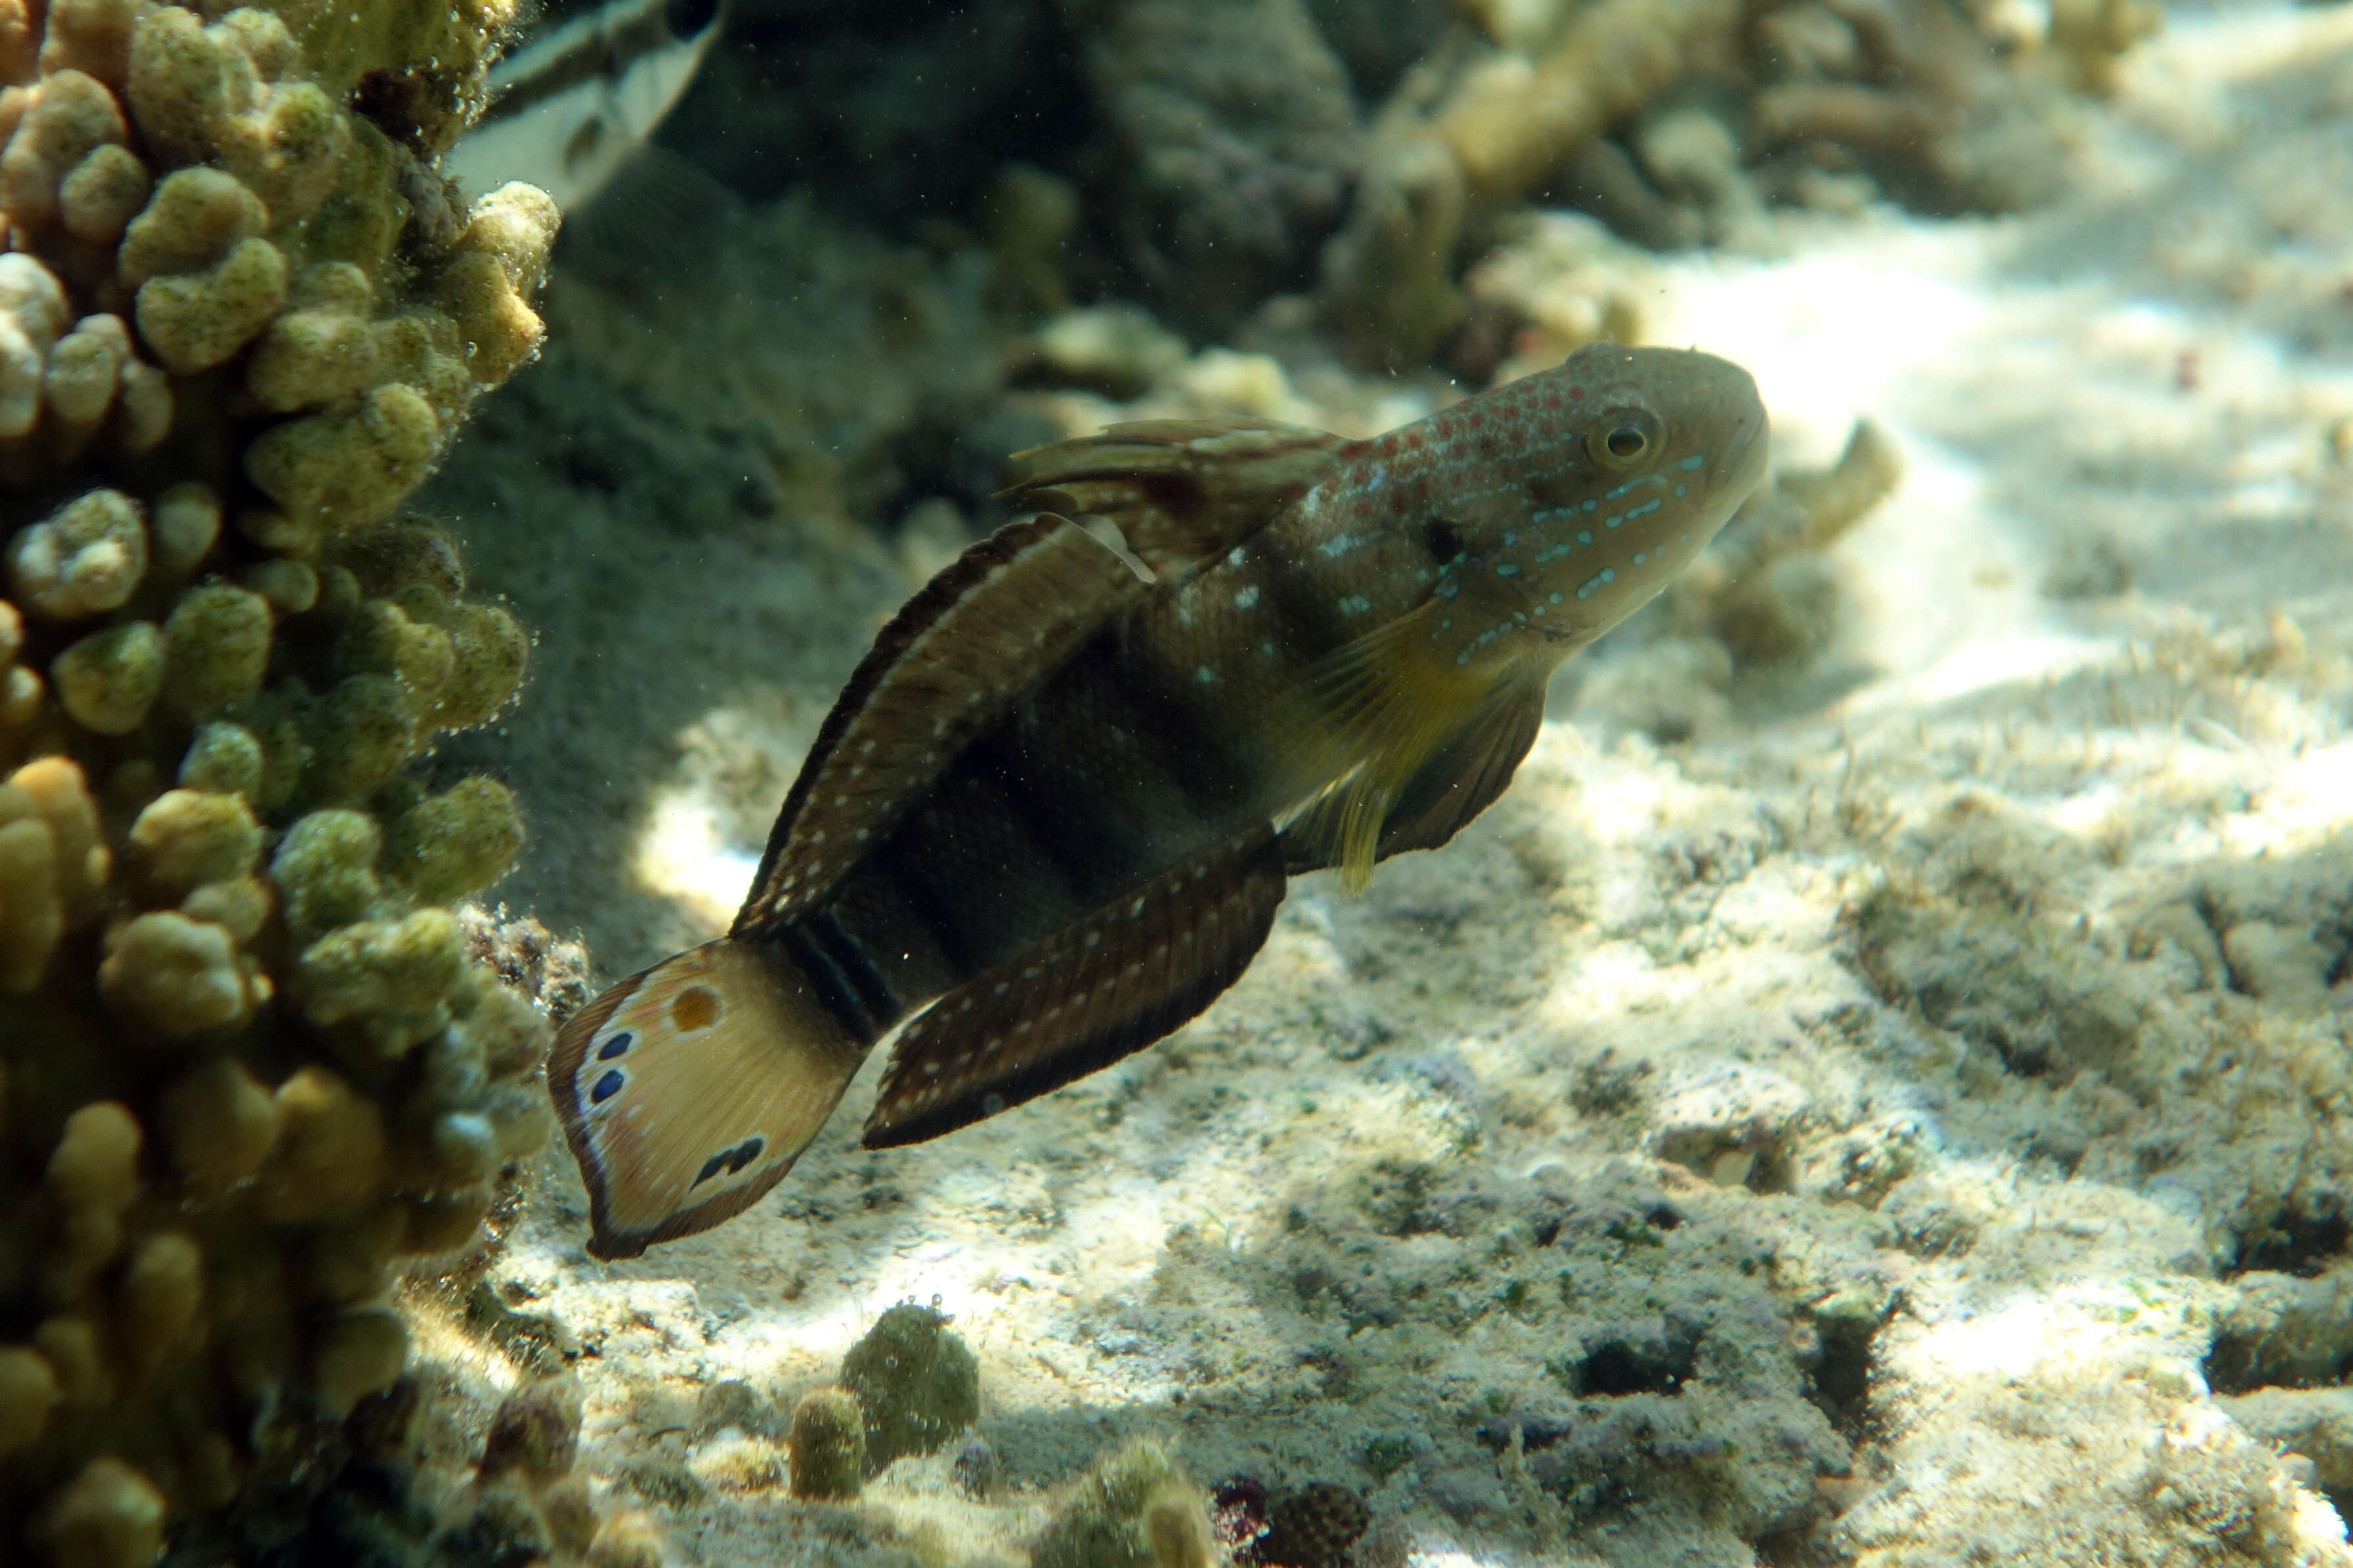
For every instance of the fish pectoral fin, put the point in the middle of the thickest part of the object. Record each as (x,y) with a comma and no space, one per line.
(1006,613)
(658,209)
(688,1090)
(1081,1000)
(1180,491)
(1369,719)
(1461,779)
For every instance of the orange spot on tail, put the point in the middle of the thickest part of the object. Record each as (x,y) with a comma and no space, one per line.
(696,1008)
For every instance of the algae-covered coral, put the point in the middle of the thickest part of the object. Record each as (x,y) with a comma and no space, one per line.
(245,1068)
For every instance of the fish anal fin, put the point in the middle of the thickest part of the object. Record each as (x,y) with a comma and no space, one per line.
(1109,985)
(688,1090)
(1007,611)
(1181,491)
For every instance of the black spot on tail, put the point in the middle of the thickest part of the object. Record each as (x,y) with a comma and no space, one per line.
(731,1161)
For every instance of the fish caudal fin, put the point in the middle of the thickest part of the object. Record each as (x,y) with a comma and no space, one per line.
(688,1090)
(1109,985)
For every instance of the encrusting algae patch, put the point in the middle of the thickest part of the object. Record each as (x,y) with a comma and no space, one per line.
(247,1068)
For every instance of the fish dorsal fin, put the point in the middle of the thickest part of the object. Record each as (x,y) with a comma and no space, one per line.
(1462,778)
(1181,491)
(956,655)
(688,1090)
(1107,986)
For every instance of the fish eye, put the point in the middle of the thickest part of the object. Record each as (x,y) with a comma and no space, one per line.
(1443,539)
(1624,437)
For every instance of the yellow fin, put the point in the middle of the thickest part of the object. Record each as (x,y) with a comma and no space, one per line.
(1370,714)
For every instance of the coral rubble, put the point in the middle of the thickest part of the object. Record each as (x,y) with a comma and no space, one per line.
(246,1067)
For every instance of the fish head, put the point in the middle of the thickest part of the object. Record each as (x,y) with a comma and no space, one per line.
(1605,475)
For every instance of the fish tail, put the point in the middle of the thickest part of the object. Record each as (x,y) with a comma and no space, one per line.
(689,1088)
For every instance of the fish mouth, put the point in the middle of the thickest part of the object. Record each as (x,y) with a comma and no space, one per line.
(1742,468)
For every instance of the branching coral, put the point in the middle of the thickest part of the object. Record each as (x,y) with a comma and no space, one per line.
(247,1067)
(1674,118)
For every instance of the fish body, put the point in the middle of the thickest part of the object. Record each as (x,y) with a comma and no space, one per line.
(570,108)
(1054,812)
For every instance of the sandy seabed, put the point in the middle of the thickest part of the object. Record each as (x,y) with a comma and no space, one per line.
(1902,1120)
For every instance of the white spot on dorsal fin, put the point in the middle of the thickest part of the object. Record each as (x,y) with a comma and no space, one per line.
(1105,533)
